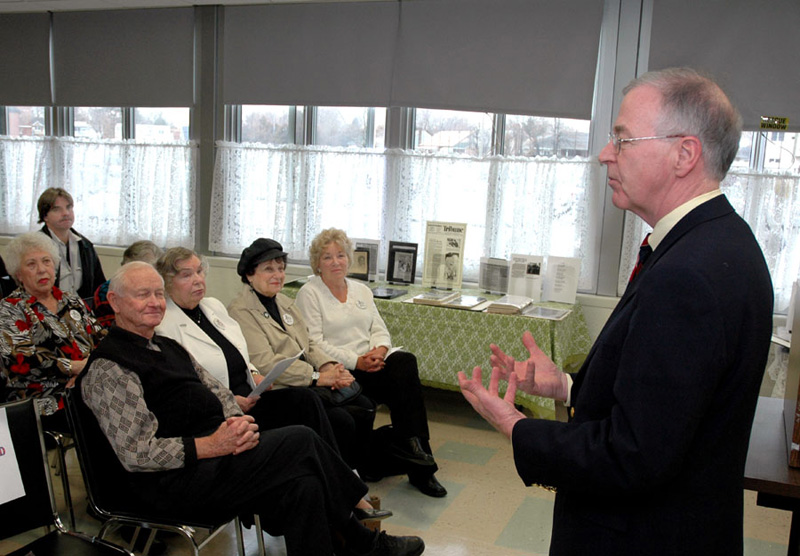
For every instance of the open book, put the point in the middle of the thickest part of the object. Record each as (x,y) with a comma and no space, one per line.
(436,297)
(470,302)
(271,376)
(509,305)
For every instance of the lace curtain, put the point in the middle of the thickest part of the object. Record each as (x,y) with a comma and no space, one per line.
(290,193)
(123,190)
(770,203)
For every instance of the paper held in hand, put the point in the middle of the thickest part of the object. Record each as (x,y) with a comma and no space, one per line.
(276,371)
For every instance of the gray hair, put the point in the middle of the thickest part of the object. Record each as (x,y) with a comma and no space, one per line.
(142,250)
(23,244)
(167,263)
(119,281)
(693,104)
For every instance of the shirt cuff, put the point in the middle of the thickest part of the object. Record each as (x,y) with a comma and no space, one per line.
(568,401)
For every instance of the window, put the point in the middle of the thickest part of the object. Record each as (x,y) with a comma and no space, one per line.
(537,136)
(514,204)
(124,189)
(97,123)
(25,121)
(162,124)
(452,132)
(781,152)
(268,124)
(350,127)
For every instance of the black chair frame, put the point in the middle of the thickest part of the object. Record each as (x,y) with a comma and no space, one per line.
(105,482)
(37,506)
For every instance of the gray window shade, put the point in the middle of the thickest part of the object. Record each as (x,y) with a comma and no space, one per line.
(25,59)
(516,56)
(323,54)
(749,47)
(124,57)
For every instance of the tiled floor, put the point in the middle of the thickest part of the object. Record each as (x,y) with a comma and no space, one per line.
(488,510)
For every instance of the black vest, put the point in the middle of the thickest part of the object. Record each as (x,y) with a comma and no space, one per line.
(183,405)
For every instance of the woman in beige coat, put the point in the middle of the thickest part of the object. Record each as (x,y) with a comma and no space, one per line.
(274,330)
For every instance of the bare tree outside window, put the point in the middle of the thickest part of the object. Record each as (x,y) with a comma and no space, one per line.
(98,122)
(453,132)
(540,136)
(266,124)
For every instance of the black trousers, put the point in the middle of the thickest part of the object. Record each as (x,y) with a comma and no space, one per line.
(293,406)
(352,426)
(293,480)
(398,386)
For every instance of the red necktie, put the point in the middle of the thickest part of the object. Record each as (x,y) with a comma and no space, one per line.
(644,252)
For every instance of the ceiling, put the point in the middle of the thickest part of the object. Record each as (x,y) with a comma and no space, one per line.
(75,5)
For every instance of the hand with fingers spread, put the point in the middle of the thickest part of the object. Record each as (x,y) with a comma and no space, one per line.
(537,375)
(499,412)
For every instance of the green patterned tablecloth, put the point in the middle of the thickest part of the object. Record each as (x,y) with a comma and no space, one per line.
(446,341)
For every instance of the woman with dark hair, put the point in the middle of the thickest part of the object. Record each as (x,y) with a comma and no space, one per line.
(274,330)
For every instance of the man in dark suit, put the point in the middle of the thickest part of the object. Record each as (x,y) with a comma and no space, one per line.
(79,271)
(652,458)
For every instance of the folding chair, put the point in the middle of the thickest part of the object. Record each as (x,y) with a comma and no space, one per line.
(63,443)
(106,486)
(36,506)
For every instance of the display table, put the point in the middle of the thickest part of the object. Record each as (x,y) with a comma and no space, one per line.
(447,341)
(767,469)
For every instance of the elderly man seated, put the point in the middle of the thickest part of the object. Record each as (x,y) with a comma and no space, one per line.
(190,449)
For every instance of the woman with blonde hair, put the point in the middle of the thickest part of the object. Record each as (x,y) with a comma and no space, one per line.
(343,320)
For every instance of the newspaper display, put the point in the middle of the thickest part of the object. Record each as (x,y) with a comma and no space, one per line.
(493,276)
(373,246)
(561,279)
(526,276)
(444,255)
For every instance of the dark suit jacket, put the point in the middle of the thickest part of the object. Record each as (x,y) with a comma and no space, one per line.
(92,276)
(652,461)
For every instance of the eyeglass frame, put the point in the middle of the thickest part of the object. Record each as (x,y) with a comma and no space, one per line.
(617,141)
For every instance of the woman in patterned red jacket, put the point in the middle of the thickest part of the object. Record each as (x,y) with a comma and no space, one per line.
(46,334)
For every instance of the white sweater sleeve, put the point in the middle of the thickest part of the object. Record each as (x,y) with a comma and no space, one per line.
(309,303)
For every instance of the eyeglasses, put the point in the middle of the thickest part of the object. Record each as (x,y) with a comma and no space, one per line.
(617,142)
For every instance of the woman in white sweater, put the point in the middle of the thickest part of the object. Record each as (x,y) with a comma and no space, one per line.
(342,320)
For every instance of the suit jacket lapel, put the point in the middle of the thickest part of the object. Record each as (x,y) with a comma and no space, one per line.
(715,208)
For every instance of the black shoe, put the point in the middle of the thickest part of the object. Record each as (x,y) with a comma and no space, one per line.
(429,485)
(371,514)
(370,476)
(388,545)
(410,450)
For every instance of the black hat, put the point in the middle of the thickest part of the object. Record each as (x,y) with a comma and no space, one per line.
(260,250)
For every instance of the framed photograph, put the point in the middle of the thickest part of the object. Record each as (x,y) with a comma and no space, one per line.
(359,267)
(374,246)
(402,264)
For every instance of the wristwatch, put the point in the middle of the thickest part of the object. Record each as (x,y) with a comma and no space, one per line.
(314,377)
